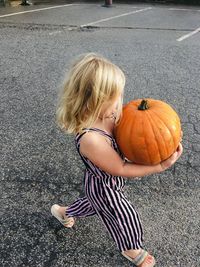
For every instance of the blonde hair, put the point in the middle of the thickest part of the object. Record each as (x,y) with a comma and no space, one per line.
(92,81)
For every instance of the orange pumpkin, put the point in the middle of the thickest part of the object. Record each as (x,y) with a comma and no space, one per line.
(148,132)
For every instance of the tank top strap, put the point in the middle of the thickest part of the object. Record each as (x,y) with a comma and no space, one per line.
(101,132)
(85,130)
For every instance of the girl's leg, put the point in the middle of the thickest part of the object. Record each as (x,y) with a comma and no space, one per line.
(80,208)
(137,255)
(117,214)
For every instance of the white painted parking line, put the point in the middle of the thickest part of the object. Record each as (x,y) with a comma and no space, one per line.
(183,9)
(114,17)
(188,35)
(35,10)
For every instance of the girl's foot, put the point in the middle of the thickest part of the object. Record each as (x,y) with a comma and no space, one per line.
(59,213)
(143,258)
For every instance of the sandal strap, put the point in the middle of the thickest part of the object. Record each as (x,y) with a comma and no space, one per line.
(67,220)
(139,259)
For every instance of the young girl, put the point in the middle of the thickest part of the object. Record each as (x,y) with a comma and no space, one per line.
(89,106)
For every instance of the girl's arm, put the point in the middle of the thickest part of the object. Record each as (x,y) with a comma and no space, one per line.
(97,149)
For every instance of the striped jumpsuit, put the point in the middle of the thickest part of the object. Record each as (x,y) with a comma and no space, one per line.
(104,197)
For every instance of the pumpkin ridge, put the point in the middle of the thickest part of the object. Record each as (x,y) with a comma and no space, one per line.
(161,121)
(155,113)
(167,150)
(150,119)
(150,159)
(132,127)
(166,126)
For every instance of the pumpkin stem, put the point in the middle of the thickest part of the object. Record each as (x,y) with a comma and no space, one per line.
(143,105)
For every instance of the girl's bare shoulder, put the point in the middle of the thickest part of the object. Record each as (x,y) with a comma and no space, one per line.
(92,141)
(93,138)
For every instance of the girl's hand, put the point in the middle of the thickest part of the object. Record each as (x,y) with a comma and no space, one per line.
(170,161)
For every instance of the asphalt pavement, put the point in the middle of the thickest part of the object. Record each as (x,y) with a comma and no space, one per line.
(157,46)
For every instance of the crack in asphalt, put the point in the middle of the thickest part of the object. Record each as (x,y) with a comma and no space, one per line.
(135,28)
(35,26)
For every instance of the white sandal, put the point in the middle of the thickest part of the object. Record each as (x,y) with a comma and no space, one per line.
(144,259)
(66,221)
